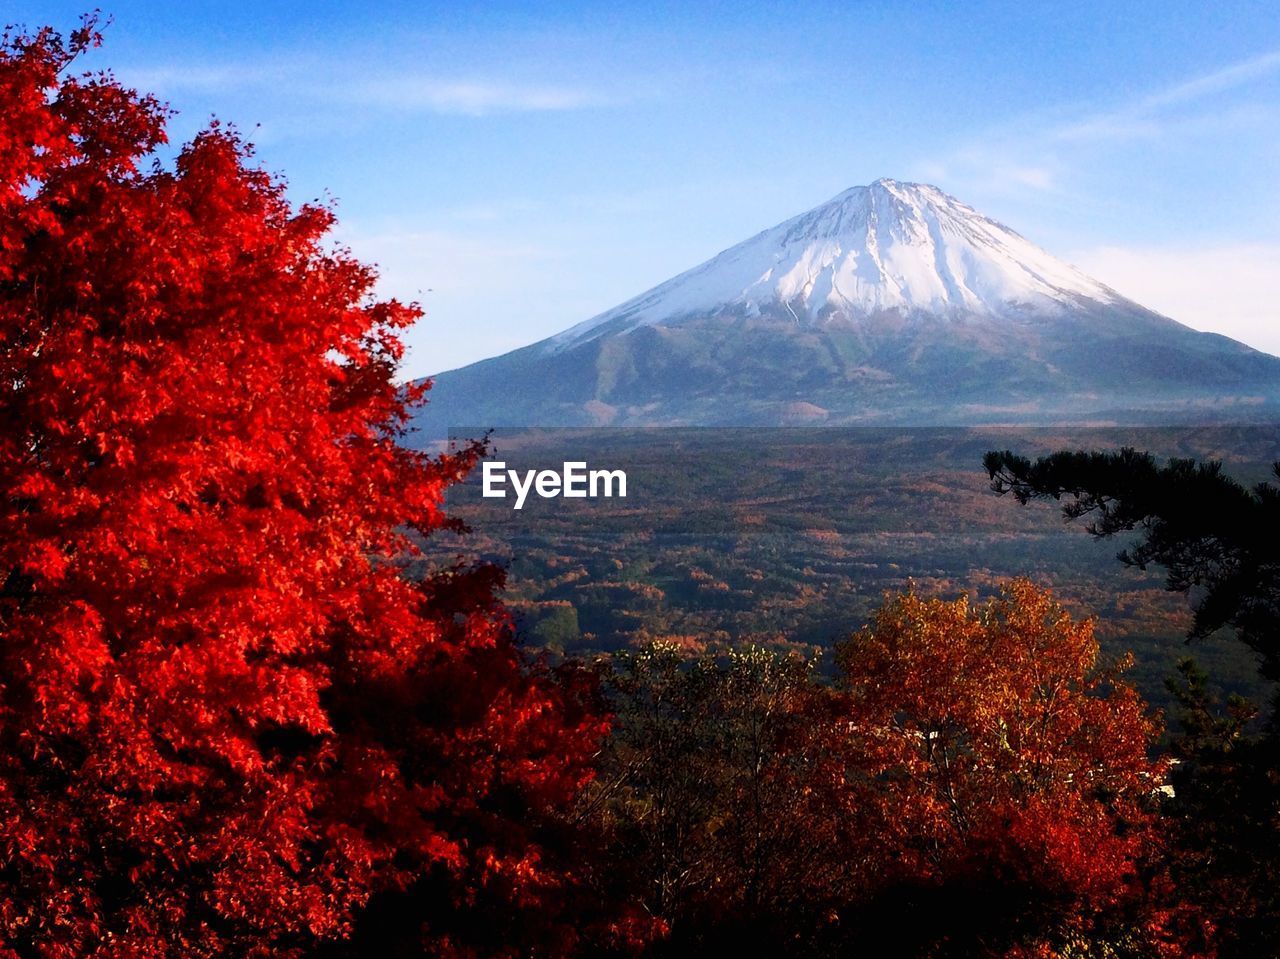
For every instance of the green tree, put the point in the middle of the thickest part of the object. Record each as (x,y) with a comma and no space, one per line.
(711,798)
(1208,531)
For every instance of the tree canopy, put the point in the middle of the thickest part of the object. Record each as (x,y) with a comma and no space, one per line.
(1204,528)
(227,722)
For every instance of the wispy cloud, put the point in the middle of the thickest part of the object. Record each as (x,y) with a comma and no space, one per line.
(1143,116)
(1225,78)
(992,168)
(1038,154)
(380,89)
(168,79)
(1064,163)
(470,97)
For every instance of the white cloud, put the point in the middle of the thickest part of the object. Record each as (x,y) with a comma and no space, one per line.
(377,88)
(992,170)
(468,97)
(209,78)
(1226,78)
(1038,153)
(1233,290)
(1037,177)
(1143,116)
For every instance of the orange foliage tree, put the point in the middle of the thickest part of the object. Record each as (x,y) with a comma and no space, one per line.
(1004,782)
(227,724)
(975,785)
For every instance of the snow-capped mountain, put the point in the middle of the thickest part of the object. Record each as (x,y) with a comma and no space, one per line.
(887,246)
(890,303)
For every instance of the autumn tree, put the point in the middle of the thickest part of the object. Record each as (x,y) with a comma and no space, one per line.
(228,726)
(1218,540)
(718,799)
(974,783)
(1004,782)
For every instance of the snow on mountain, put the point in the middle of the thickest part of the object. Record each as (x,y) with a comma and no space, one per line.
(888,246)
(893,303)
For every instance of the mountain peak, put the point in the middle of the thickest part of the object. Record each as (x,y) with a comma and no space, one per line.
(890,246)
(891,303)
(898,188)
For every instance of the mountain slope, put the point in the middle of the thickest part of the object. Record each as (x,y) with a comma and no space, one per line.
(881,247)
(891,303)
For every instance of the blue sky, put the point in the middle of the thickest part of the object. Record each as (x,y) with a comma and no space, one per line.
(520,167)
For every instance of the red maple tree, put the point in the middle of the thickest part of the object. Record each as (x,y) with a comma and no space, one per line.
(227,722)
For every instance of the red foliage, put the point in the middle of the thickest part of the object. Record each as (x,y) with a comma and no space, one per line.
(226,722)
(1008,794)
